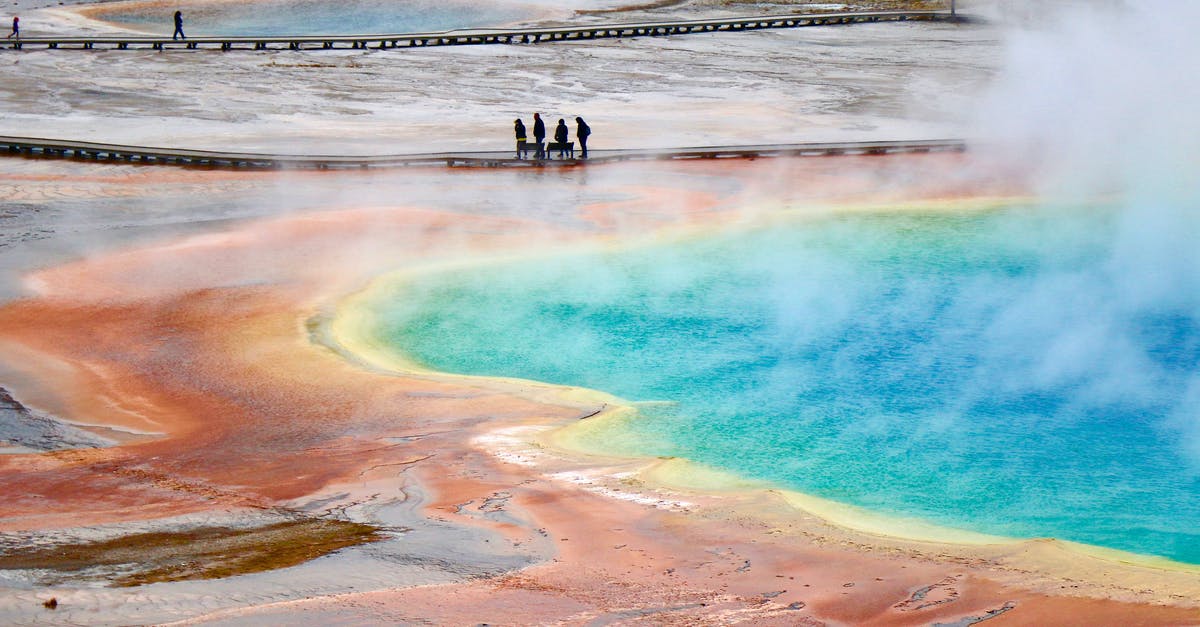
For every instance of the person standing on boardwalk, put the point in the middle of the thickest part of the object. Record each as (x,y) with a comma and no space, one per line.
(539,133)
(178,26)
(16,28)
(519,127)
(560,137)
(582,130)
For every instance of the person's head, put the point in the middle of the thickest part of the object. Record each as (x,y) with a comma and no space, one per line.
(537,116)
(562,121)
(517,121)
(580,120)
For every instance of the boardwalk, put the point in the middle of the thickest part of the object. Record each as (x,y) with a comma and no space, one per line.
(30,147)
(477,36)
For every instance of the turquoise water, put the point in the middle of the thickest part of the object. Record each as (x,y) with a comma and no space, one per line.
(1002,372)
(318,17)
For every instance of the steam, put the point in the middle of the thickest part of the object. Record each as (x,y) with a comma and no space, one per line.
(1099,99)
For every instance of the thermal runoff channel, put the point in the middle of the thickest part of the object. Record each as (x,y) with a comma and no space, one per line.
(979,370)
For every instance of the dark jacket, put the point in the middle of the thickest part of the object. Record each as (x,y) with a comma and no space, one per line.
(561,133)
(539,129)
(519,127)
(582,130)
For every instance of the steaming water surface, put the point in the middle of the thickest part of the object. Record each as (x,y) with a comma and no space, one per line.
(305,17)
(983,371)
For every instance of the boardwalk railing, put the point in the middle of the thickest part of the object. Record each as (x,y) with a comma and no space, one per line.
(64,149)
(478,36)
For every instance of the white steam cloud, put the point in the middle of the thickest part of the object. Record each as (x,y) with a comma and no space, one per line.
(1101,100)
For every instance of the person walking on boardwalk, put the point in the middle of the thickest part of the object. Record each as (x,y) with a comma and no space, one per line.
(560,137)
(539,133)
(519,127)
(582,130)
(178,26)
(16,28)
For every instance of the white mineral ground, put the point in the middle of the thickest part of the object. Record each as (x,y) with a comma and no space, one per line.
(894,81)
(108,270)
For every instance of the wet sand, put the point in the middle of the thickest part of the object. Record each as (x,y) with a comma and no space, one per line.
(206,358)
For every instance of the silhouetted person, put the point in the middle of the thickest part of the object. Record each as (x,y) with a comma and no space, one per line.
(539,133)
(582,130)
(560,137)
(178,26)
(519,128)
(16,28)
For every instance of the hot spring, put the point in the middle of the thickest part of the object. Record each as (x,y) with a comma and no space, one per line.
(985,370)
(312,17)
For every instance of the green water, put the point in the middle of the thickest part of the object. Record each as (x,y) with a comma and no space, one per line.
(1000,372)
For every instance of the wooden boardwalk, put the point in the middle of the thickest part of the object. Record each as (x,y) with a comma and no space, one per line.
(475,36)
(31,147)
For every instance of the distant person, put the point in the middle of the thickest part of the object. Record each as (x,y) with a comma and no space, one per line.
(539,133)
(519,127)
(560,137)
(178,26)
(16,28)
(582,130)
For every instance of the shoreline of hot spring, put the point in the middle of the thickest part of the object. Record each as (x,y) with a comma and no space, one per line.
(94,15)
(648,479)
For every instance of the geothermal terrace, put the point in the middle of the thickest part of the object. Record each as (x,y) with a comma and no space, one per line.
(312,377)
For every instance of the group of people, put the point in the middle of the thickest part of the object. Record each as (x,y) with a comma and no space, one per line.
(561,135)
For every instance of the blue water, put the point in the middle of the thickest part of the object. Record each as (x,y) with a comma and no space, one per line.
(1000,372)
(323,17)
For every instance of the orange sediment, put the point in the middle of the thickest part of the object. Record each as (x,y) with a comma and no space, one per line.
(198,357)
